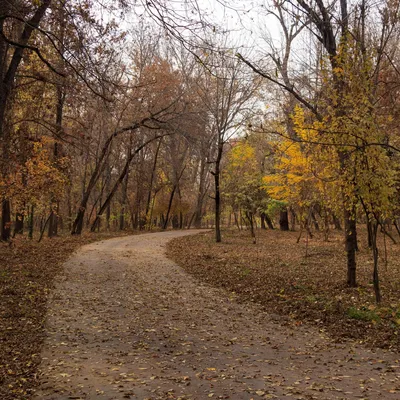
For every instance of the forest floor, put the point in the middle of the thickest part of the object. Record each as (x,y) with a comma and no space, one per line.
(305,281)
(126,322)
(27,272)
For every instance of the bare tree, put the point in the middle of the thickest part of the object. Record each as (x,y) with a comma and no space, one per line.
(228,94)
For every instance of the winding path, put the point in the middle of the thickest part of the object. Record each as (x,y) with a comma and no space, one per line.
(124,322)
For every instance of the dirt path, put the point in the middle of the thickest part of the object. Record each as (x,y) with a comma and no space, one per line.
(126,323)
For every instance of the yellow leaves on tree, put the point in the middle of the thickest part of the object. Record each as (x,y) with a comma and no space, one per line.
(242,177)
(357,127)
(38,179)
(343,156)
(301,176)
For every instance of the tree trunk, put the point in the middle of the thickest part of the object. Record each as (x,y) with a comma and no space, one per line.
(326,225)
(43,228)
(350,229)
(269,222)
(153,173)
(171,198)
(249,216)
(78,223)
(120,179)
(123,202)
(263,226)
(336,222)
(396,226)
(369,231)
(122,219)
(236,218)
(7,77)
(107,202)
(190,221)
(373,233)
(200,195)
(292,220)
(54,218)
(218,238)
(175,221)
(217,176)
(5,220)
(284,220)
(314,220)
(31,220)
(19,224)
(151,211)
(53,223)
(181,222)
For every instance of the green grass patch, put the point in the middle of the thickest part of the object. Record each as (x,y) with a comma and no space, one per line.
(363,314)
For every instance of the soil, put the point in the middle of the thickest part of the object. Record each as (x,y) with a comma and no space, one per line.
(126,322)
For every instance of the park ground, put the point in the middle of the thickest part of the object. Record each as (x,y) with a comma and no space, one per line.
(304,282)
(298,291)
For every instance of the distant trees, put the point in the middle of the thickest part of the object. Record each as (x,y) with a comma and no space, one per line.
(342,134)
(337,157)
(242,183)
(76,114)
(229,97)
(102,128)
(48,59)
(17,25)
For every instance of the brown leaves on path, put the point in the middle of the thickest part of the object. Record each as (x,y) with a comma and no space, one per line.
(276,274)
(126,322)
(27,270)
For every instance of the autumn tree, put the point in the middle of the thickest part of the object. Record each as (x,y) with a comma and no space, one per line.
(339,41)
(243,185)
(228,94)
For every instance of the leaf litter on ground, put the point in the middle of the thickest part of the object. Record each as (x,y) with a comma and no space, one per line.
(27,272)
(276,273)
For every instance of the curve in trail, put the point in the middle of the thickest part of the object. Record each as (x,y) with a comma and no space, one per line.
(126,322)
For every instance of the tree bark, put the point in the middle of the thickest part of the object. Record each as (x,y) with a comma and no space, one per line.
(263,226)
(153,172)
(171,198)
(250,217)
(19,224)
(123,202)
(350,230)
(6,220)
(314,220)
(269,222)
(284,220)
(8,74)
(217,176)
(336,222)
(114,189)
(31,221)
(44,228)
(292,220)
(119,181)
(200,195)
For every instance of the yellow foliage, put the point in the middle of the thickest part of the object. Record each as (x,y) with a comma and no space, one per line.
(341,157)
(242,179)
(36,180)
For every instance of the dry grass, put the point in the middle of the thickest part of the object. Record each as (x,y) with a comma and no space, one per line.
(276,274)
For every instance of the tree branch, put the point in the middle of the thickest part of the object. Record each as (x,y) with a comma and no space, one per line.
(289,89)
